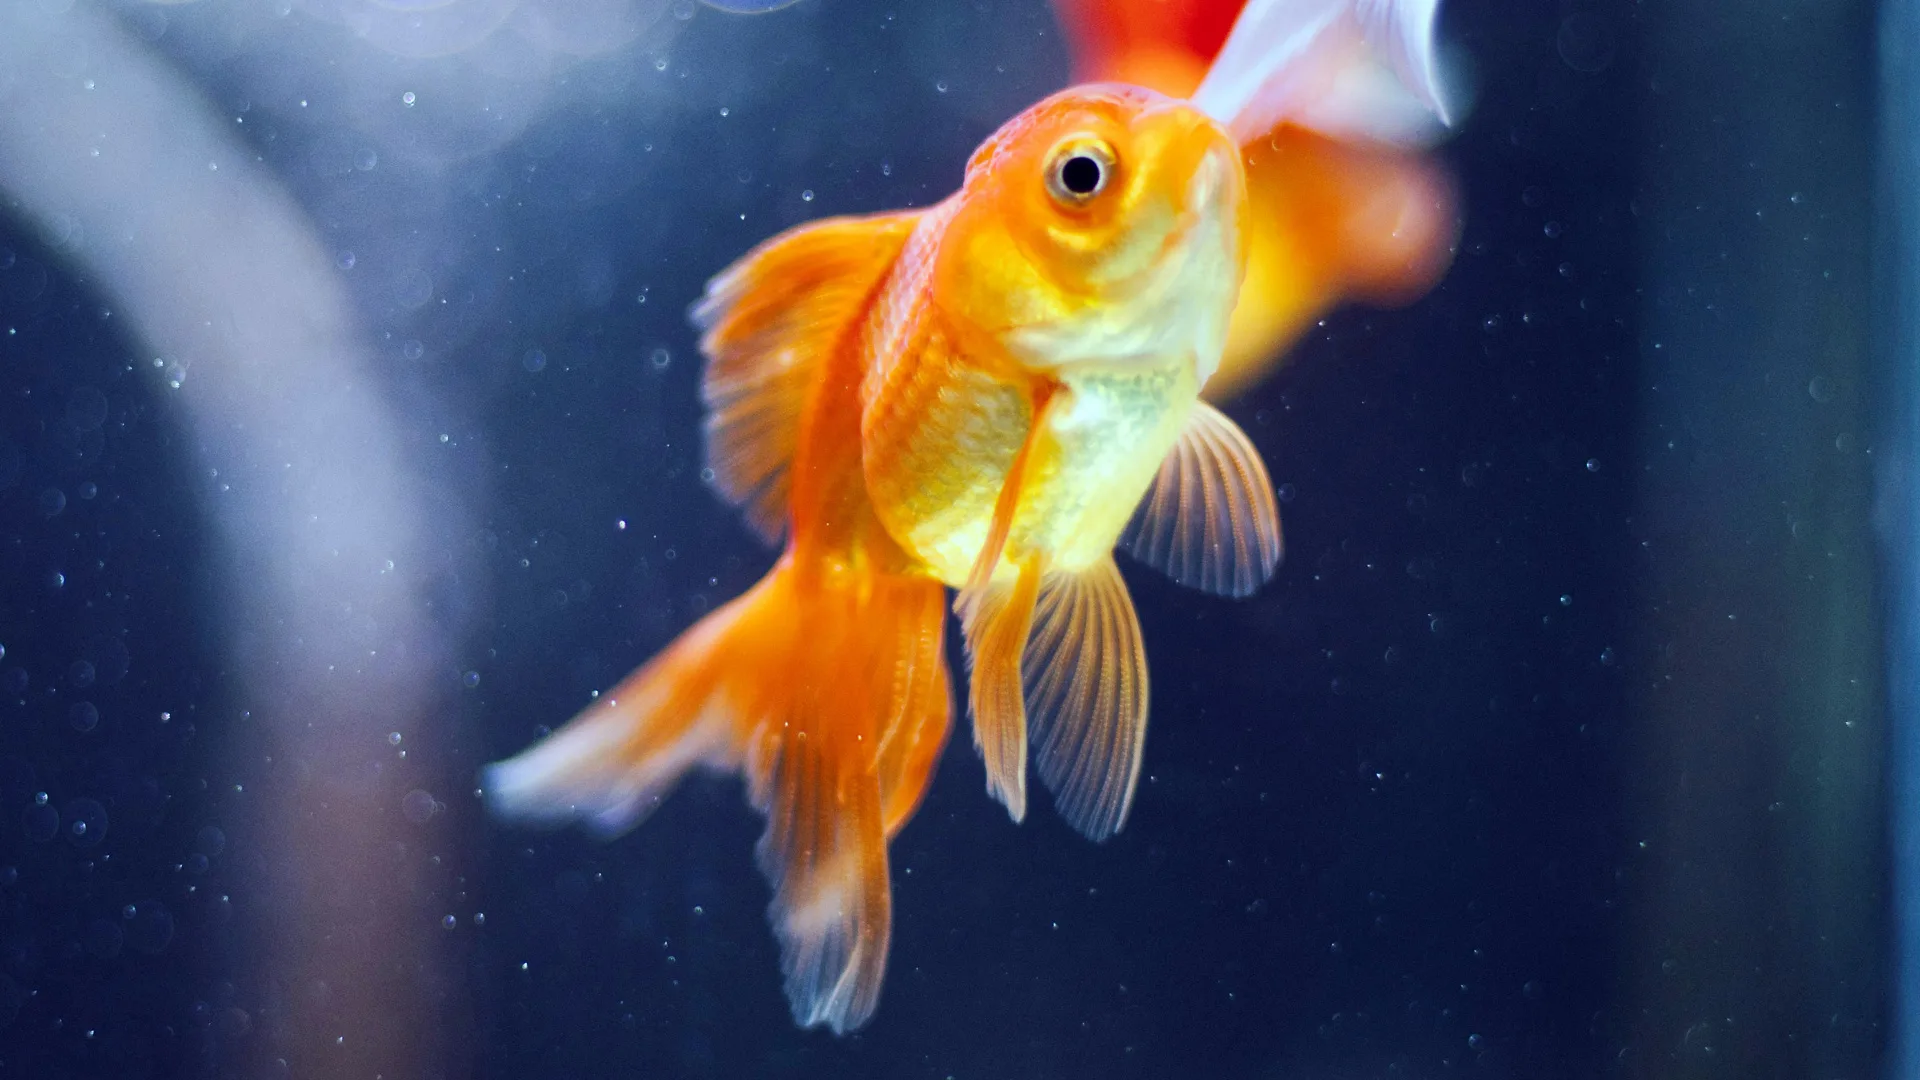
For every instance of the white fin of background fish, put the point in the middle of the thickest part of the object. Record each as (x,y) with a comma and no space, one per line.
(1361,70)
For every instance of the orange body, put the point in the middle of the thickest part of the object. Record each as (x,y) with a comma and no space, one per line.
(980,396)
(1331,220)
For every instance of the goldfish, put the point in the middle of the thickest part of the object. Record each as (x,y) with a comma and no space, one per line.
(989,395)
(1343,207)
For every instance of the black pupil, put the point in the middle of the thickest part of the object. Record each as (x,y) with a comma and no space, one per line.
(1080,175)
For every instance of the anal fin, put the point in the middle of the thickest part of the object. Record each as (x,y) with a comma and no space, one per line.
(995,616)
(996,622)
(1085,677)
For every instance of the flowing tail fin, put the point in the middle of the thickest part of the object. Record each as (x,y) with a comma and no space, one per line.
(830,695)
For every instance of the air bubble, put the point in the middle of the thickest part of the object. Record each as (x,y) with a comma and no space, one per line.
(413,350)
(413,288)
(470,680)
(210,841)
(419,806)
(84,716)
(534,360)
(660,358)
(86,822)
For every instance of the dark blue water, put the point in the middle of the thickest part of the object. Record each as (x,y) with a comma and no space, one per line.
(1396,817)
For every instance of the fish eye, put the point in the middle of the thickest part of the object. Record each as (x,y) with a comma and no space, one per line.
(1078,170)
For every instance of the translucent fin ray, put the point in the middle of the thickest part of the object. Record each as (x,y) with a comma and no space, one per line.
(1209,521)
(1085,677)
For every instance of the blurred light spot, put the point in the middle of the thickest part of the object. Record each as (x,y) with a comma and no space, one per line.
(1586,42)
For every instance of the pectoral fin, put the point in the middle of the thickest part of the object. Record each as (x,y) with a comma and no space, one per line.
(1085,676)
(1209,522)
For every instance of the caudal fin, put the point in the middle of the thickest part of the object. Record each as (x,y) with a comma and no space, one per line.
(830,696)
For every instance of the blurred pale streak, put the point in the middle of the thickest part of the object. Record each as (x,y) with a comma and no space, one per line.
(317,509)
(1897,507)
(1756,845)
(424,28)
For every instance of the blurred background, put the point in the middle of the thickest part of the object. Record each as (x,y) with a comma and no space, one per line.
(349,440)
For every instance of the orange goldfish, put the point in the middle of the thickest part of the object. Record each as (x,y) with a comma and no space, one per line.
(988,395)
(1338,211)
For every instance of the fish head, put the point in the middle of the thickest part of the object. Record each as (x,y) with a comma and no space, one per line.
(1106,226)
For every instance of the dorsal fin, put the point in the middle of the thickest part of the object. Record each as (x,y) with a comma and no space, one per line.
(767,321)
(1209,522)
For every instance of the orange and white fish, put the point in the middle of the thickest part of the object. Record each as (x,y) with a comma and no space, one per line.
(990,395)
(1344,204)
